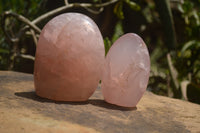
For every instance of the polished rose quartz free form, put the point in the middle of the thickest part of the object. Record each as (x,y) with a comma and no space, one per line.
(126,71)
(69,58)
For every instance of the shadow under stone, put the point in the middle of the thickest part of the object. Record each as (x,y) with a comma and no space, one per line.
(102,103)
(32,95)
(96,102)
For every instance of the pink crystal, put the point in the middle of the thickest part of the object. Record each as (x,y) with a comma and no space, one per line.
(126,71)
(69,58)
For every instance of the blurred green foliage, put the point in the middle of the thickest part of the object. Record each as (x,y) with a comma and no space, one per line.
(30,9)
(185,59)
(171,30)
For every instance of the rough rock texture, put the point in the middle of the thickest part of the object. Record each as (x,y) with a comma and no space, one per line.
(126,71)
(22,111)
(70,51)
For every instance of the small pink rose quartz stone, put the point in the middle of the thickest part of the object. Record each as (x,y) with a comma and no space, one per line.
(69,58)
(126,71)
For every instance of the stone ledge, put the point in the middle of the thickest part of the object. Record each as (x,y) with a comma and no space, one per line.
(21,110)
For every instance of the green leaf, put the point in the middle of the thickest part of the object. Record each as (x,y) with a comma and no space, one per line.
(134,6)
(165,14)
(116,7)
(194,13)
(187,6)
(190,44)
(173,71)
(118,31)
(118,10)
(180,8)
(107,44)
(4,51)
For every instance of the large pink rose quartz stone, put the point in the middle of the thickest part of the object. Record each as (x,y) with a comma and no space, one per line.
(69,58)
(126,71)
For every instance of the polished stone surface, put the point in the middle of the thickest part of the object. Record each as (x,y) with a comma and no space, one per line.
(126,71)
(69,58)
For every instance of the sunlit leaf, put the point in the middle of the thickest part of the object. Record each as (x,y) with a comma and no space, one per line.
(173,71)
(190,44)
(134,6)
